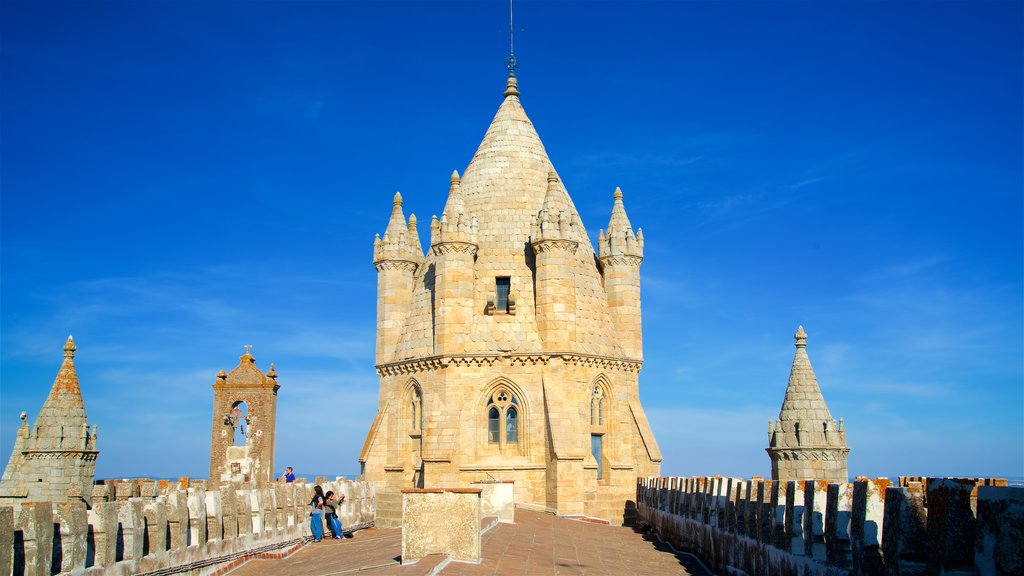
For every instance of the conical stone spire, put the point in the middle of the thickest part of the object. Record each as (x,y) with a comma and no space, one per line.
(803,400)
(620,240)
(806,443)
(55,458)
(62,417)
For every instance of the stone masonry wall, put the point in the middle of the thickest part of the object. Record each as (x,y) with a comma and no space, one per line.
(869,527)
(143,526)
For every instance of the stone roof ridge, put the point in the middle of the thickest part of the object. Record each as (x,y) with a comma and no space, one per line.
(456,225)
(803,400)
(620,240)
(398,243)
(556,219)
(62,422)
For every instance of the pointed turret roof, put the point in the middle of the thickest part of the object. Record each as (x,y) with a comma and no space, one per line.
(619,222)
(507,180)
(803,401)
(62,418)
(454,206)
(396,225)
(398,243)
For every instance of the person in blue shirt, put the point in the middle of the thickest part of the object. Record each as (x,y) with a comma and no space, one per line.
(288,476)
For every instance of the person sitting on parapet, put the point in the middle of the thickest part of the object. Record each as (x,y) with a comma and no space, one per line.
(288,476)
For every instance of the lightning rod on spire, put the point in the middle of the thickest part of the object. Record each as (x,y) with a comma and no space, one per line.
(511,63)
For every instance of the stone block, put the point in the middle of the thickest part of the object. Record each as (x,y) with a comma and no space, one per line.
(999,548)
(441,522)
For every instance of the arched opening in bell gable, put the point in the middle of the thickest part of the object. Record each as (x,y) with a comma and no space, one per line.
(238,419)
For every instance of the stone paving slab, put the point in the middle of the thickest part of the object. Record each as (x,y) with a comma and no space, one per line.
(538,544)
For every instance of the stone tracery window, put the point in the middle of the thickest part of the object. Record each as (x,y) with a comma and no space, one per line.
(503,418)
(597,407)
(415,408)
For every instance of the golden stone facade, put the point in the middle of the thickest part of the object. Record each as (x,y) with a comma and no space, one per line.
(511,349)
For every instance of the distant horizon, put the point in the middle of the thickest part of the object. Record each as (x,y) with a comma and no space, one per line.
(181,179)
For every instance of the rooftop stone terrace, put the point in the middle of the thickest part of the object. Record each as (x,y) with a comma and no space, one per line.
(537,544)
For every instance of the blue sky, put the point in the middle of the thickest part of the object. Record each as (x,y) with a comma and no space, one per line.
(180,179)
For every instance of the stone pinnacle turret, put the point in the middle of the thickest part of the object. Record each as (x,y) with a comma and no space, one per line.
(55,458)
(806,443)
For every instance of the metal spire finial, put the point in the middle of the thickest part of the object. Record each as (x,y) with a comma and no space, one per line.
(511,63)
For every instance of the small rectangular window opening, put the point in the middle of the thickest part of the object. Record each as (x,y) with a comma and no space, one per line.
(504,286)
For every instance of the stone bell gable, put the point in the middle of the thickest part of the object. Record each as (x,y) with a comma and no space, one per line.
(244,420)
(510,349)
(806,443)
(54,459)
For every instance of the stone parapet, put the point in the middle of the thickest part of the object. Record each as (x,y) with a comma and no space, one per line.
(196,530)
(809,527)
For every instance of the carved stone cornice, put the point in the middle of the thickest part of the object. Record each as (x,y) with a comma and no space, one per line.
(430,363)
(622,260)
(823,454)
(87,455)
(401,265)
(540,246)
(442,248)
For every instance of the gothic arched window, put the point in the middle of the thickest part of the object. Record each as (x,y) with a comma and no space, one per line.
(503,417)
(415,407)
(597,407)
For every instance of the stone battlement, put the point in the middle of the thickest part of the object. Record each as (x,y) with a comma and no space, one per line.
(141,526)
(955,526)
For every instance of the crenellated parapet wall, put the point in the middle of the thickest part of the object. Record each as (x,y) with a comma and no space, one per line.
(810,528)
(142,526)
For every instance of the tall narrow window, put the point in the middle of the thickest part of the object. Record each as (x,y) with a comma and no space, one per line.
(416,409)
(595,449)
(511,426)
(493,426)
(503,416)
(503,286)
(597,407)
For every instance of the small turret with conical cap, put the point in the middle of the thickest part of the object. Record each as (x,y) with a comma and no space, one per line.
(396,256)
(620,252)
(806,443)
(55,458)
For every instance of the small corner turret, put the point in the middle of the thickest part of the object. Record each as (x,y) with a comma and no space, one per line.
(619,241)
(553,236)
(620,252)
(455,229)
(396,256)
(453,242)
(806,443)
(54,459)
(556,221)
(400,244)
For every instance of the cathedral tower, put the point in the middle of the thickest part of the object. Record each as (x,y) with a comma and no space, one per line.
(508,350)
(805,443)
(244,420)
(55,459)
